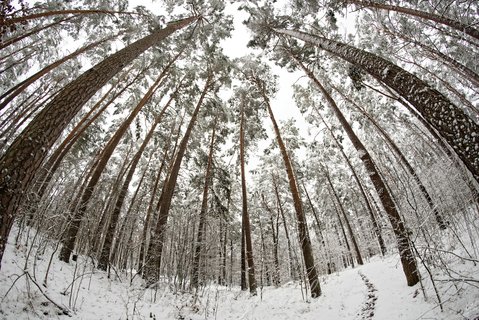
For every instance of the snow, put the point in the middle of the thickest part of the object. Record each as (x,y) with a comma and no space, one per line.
(377,288)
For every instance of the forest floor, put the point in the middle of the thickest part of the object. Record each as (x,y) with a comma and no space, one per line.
(376,290)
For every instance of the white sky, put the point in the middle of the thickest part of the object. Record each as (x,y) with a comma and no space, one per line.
(283,105)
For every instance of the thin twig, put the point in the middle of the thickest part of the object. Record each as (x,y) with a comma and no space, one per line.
(64,310)
(18,277)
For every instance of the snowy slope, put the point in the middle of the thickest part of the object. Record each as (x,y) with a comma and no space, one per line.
(376,290)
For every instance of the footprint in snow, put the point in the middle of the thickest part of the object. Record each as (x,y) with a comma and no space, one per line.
(367,311)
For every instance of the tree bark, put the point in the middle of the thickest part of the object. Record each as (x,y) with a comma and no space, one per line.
(23,158)
(244,199)
(104,260)
(359,257)
(451,122)
(377,228)
(12,93)
(455,65)
(153,262)
(439,218)
(458,25)
(195,269)
(69,241)
(298,206)
(407,256)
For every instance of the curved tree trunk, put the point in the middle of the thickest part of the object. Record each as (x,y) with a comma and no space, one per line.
(458,25)
(292,269)
(105,253)
(148,218)
(97,236)
(461,69)
(332,195)
(14,40)
(246,227)
(450,121)
(155,248)
(455,92)
(23,158)
(69,241)
(298,205)
(149,210)
(12,93)
(128,217)
(104,260)
(377,228)
(439,218)
(195,269)
(348,224)
(45,14)
(404,247)
(47,171)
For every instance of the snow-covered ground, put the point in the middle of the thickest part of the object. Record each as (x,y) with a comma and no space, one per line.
(376,290)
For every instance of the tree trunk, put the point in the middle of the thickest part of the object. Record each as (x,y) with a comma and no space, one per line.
(439,219)
(45,14)
(474,110)
(97,235)
(223,264)
(121,232)
(298,206)
(348,224)
(12,93)
(14,40)
(450,121)
(149,211)
(292,268)
(153,263)
(405,252)
(264,258)
(377,228)
(23,158)
(243,283)
(150,218)
(458,25)
(69,241)
(319,234)
(45,174)
(202,218)
(104,260)
(245,213)
(105,254)
(274,235)
(332,195)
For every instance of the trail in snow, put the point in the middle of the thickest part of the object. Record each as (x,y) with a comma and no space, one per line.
(367,312)
(374,291)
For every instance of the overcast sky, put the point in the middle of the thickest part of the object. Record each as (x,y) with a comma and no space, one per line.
(282,104)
